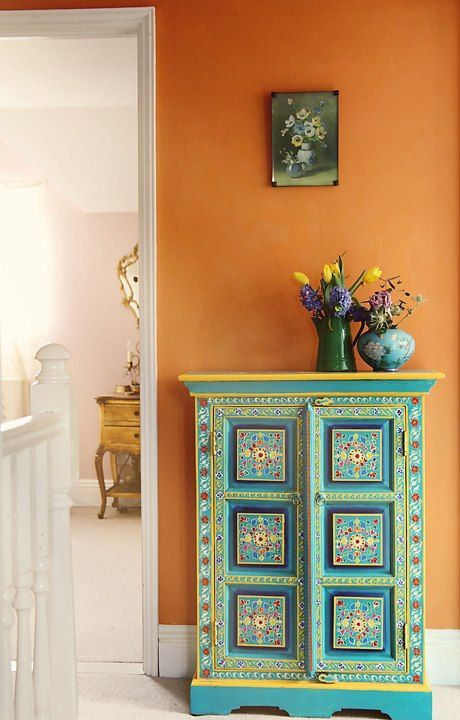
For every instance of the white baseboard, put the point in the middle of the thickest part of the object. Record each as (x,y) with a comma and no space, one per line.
(86,492)
(178,655)
(443,657)
(110,668)
(177,650)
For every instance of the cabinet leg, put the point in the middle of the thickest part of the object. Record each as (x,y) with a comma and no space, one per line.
(98,458)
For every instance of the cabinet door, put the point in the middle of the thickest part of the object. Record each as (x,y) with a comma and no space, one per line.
(258,529)
(358,559)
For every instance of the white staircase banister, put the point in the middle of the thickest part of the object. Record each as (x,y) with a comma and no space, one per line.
(53,392)
(29,430)
(38,463)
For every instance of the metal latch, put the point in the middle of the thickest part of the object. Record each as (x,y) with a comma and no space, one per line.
(404,443)
(406,636)
(326,678)
(320,498)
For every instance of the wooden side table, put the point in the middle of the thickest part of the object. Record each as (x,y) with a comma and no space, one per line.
(119,433)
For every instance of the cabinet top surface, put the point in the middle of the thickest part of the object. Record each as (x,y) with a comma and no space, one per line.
(276,376)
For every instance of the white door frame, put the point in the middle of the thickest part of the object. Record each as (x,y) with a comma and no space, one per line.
(124,22)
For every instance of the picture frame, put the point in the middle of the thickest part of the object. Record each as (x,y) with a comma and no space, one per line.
(305,132)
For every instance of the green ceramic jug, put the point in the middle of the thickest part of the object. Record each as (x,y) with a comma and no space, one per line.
(335,351)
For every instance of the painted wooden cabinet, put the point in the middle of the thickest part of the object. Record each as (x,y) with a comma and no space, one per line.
(310,542)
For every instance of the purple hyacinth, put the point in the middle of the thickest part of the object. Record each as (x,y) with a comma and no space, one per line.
(310,299)
(358,313)
(340,300)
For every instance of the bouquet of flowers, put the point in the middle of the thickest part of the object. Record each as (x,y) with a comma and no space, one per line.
(333,305)
(334,299)
(304,128)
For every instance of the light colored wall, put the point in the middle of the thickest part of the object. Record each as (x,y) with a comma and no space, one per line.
(74,265)
(90,319)
(227,241)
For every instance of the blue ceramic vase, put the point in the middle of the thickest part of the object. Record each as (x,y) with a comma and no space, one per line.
(387,352)
(296,169)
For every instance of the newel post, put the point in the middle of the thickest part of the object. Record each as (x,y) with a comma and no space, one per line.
(53,392)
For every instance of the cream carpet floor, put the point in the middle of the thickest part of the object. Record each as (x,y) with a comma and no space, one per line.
(136,697)
(107,560)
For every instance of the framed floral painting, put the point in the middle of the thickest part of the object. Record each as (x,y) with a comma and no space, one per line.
(305,138)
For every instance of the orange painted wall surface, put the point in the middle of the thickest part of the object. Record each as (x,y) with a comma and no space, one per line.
(228,242)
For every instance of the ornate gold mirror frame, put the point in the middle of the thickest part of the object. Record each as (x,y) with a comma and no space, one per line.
(128,274)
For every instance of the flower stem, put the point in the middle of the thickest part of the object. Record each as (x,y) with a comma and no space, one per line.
(358,334)
(356,284)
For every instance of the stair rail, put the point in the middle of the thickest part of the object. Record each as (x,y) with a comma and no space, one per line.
(39,465)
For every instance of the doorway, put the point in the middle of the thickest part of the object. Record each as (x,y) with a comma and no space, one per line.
(135,23)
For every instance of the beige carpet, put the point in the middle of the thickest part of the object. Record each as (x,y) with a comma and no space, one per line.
(107,560)
(136,697)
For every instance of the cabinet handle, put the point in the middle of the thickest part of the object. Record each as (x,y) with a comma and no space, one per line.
(324,401)
(320,498)
(326,678)
(136,435)
(136,413)
(406,639)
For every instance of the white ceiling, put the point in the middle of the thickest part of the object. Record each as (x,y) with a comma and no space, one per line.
(69,109)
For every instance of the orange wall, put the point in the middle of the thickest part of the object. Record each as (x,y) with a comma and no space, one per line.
(228,242)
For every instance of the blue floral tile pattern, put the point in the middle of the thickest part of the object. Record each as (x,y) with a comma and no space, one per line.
(260,455)
(358,623)
(260,538)
(261,621)
(357,539)
(357,455)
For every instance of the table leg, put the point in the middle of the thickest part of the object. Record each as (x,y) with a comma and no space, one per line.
(113,465)
(98,458)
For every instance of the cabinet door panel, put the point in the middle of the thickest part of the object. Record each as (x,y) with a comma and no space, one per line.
(259,537)
(261,622)
(358,512)
(259,451)
(357,453)
(358,538)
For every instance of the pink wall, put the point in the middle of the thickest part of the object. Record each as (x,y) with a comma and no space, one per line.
(90,319)
(87,314)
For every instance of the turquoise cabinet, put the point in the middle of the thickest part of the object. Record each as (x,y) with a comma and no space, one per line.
(310,542)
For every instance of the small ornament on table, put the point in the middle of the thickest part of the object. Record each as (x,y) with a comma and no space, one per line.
(133,366)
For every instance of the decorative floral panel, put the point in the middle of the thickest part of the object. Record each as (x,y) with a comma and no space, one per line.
(260,538)
(357,455)
(357,539)
(358,623)
(261,621)
(260,455)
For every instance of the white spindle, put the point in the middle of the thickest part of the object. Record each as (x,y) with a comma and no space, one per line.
(54,392)
(6,593)
(22,579)
(39,465)
(42,668)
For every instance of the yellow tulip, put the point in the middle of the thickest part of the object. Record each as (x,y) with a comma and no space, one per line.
(335,268)
(372,274)
(327,273)
(301,278)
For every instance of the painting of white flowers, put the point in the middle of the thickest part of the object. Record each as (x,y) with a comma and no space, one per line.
(305,138)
